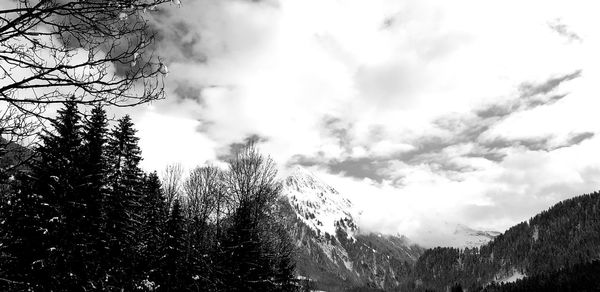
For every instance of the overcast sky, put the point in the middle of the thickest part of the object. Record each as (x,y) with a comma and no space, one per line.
(475,112)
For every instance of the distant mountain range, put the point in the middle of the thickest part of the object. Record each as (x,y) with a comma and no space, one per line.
(555,247)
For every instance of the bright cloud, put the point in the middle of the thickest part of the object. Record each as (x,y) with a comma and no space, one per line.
(463,110)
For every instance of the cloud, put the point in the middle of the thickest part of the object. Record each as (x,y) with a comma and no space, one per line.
(563,30)
(415,109)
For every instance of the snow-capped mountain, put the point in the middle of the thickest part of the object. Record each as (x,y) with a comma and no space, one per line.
(331,250)
(317,204)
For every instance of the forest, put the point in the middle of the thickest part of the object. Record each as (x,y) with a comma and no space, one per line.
(580,277)
(558,239)
(81,215)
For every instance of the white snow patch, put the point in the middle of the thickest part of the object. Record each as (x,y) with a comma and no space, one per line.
(316,203)
(516,275)
(466,237)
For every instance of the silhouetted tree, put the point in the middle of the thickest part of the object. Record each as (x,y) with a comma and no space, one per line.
(124,201)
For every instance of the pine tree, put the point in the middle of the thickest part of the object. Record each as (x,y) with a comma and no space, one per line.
(123,202)
(24,240)
(48,235)
(95,167)
(151,239)
(175,267)
(59,180)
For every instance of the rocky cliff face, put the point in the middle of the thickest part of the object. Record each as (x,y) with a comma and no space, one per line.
(332,251)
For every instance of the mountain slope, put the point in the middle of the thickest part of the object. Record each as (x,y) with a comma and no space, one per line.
(566,234)
(466,237)
(331,250)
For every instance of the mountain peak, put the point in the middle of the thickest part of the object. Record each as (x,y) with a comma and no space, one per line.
(302,178)
(316,203)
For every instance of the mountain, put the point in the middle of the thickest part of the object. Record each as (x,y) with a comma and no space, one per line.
(13,156)
(565,235)
(466,237)
(332,252)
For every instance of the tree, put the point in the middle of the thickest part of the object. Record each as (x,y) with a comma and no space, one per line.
(151,232)
(95,190)
(253,254)
(203,191)
(93,51)
(50,208)
(59,180)
(171,182)
(123,205)
(175,266)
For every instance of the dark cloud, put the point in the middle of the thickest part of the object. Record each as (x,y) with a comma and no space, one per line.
(529,89)
(538,144)
(187,91)
(578,138)
(533,144)
(563,30)
(338,129)
(227,153)
(532,95)
(388,22)
(178,40)
(360,168)
(495,156)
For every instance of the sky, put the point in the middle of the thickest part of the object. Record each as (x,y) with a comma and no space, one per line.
(424,113)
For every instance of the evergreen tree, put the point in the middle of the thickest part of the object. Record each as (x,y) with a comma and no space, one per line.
(59,180)
(151,239)
(123,202)
(174,268)
(94,173)
(24,252)
(48,235)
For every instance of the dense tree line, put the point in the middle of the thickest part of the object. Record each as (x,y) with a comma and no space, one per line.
(578,278)
(84,216)
(565,235)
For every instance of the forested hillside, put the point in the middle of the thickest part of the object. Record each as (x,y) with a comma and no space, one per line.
(578,278)
(85,217)
(565,235)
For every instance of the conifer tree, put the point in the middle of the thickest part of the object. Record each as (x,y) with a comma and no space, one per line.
(48,236)
(59,180)
(175,266)
(151,239)
(94,192)
(123,202)
(23,256)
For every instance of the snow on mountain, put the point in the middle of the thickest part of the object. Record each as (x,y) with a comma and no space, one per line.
(465,236)
(317,204)
(322,209)
(331,250)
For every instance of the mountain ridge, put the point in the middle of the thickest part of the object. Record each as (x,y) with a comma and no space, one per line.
(334,252)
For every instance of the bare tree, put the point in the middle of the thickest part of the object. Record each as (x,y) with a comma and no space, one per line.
(252,177)
(171,182)
(93,51)
(257,251)
(204,189)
